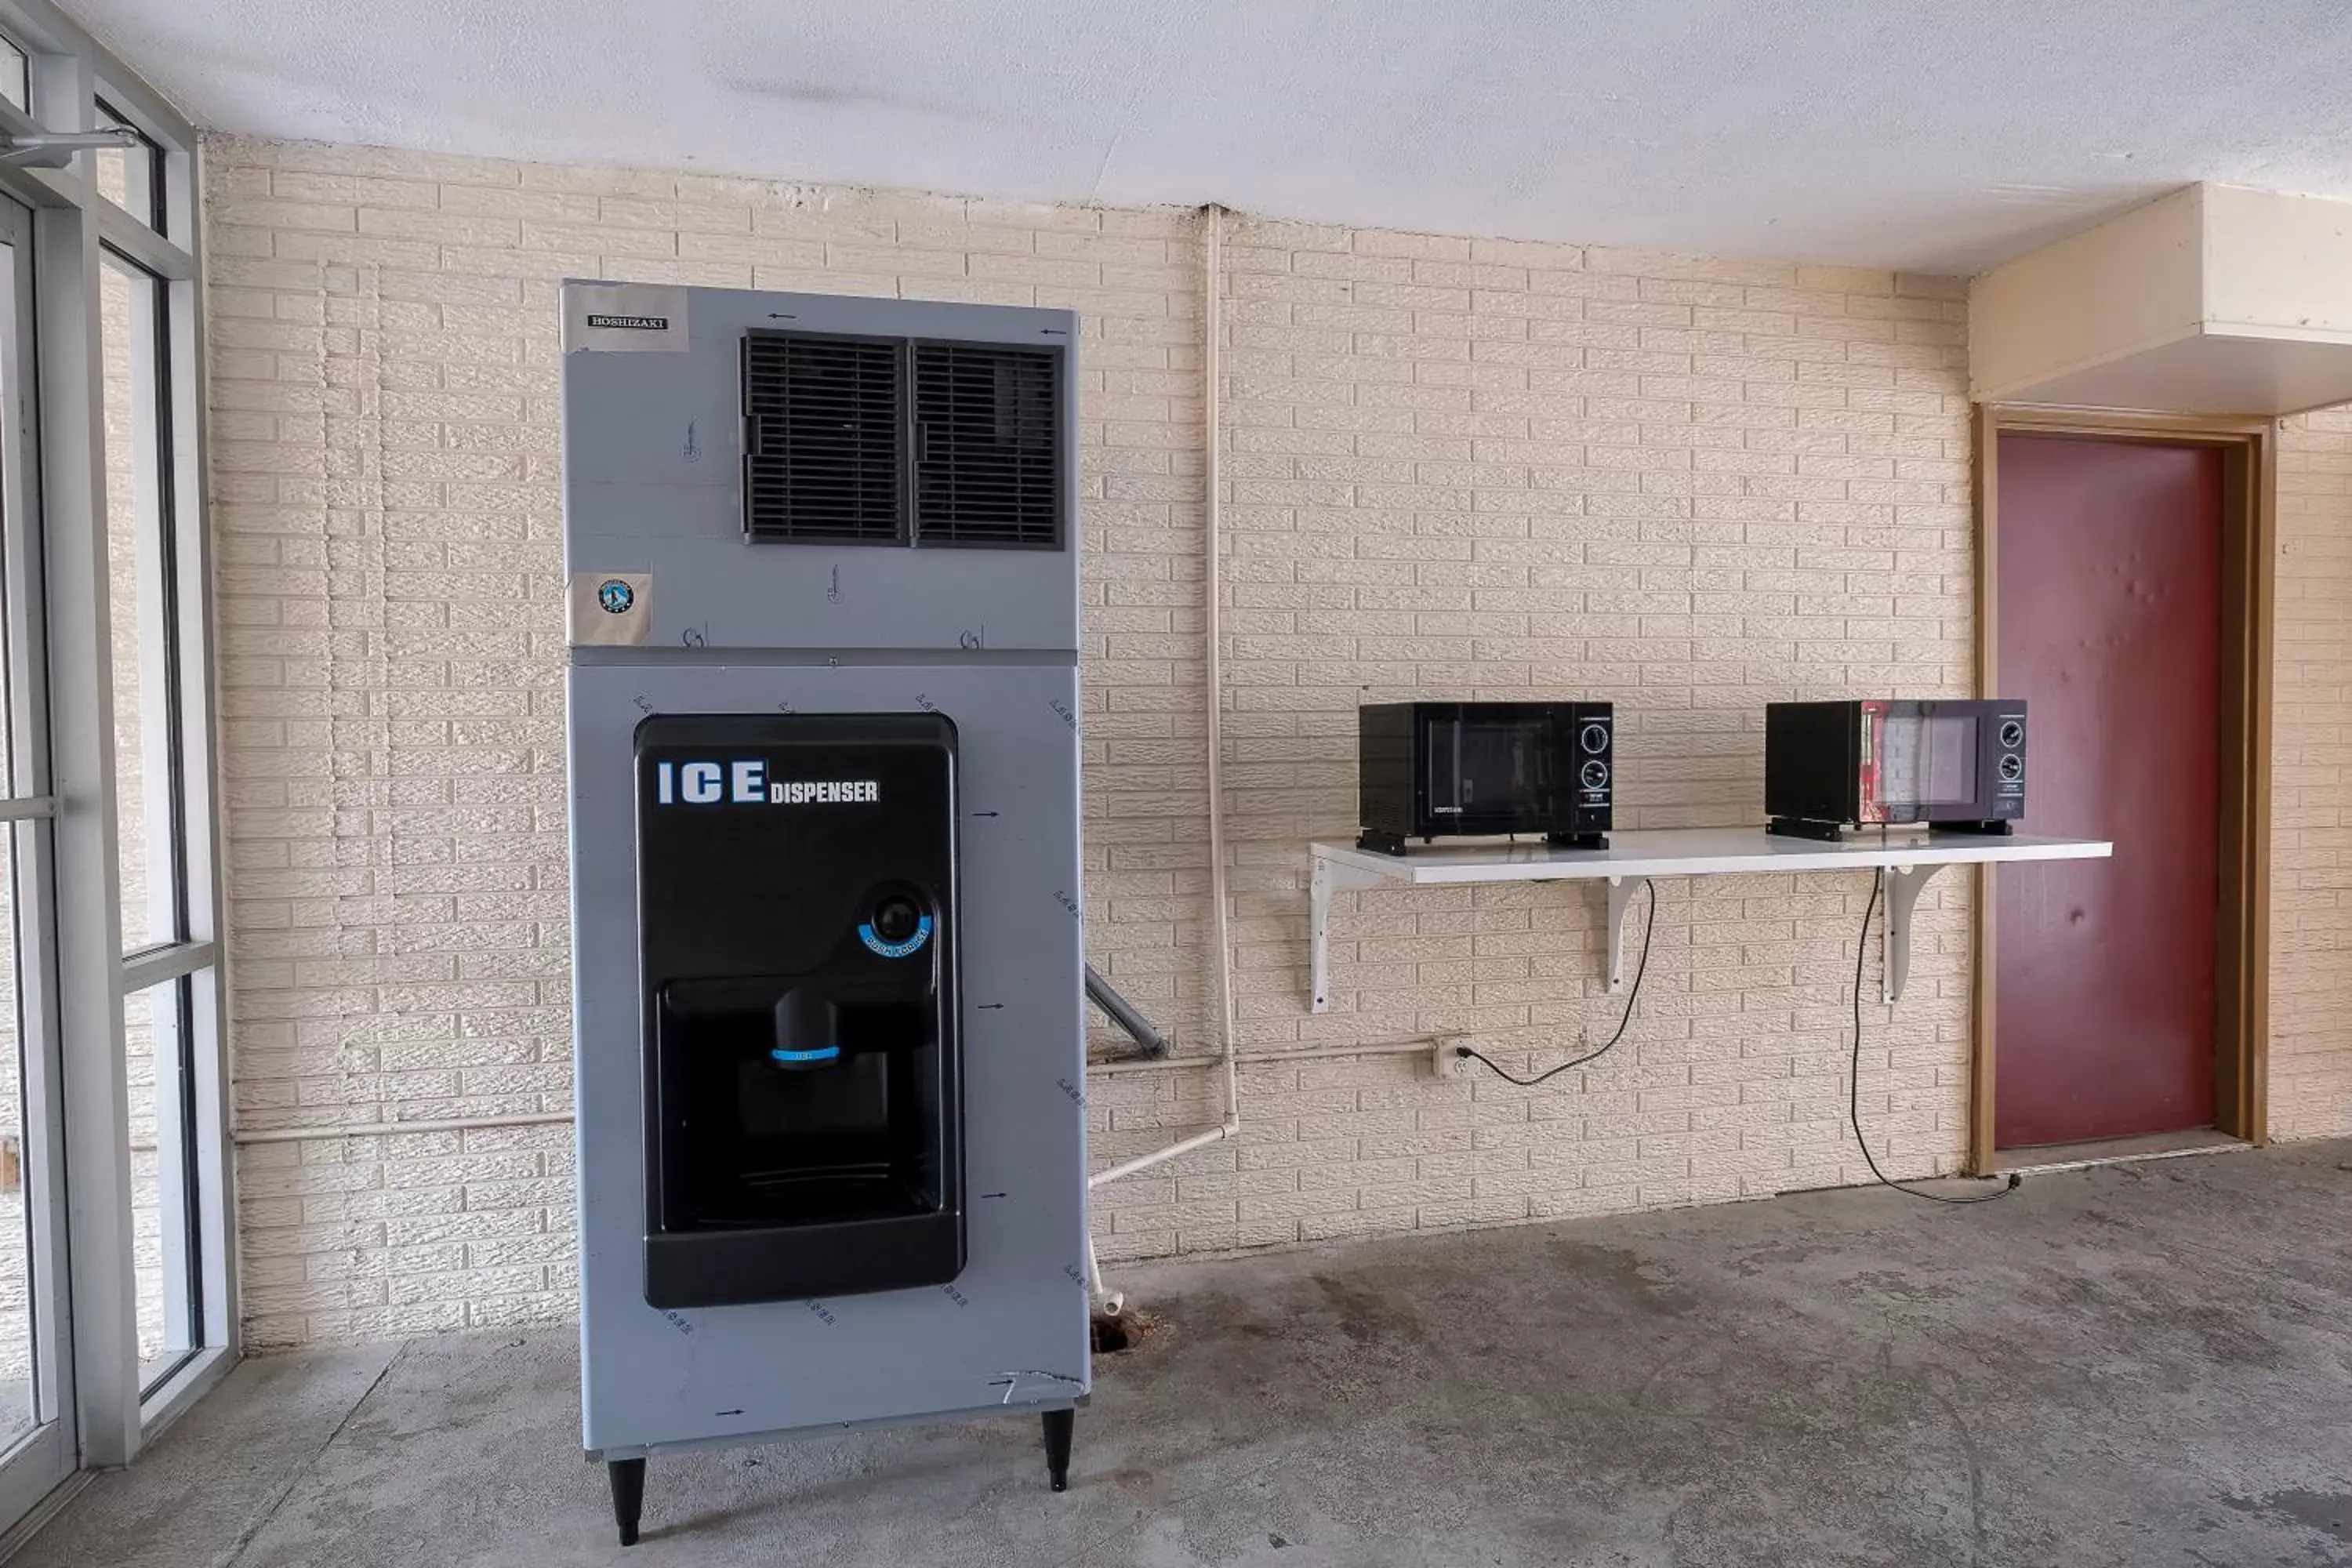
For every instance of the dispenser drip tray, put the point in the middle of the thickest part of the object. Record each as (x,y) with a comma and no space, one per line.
(802,1197)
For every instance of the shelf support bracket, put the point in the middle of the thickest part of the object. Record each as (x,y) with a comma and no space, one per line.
(1899,886)
(1325,877)
(1319,893)
(1621,899)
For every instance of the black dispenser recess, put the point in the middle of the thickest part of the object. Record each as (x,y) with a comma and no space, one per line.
(803,1112)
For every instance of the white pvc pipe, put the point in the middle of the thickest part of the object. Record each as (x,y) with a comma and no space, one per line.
(1145,1161)
(1213,554)
(1212,532)
(1107,1301)
(387,1129)
(1406,1048)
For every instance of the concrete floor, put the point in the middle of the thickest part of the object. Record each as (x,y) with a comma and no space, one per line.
(2143,1364)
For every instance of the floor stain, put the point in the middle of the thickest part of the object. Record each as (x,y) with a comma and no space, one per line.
(2330,1513)
(1625,1274)
(1368,1316)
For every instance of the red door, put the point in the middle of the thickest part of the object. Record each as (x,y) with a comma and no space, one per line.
(2109,613)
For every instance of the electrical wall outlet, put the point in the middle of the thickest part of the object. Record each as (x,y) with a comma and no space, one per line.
(1446,1060)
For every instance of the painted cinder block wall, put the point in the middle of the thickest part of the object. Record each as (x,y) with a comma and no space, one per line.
(1452,466)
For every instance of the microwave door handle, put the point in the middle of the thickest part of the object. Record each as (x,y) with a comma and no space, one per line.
(1443,792)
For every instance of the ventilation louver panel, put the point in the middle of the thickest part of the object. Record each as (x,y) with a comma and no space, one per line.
(824,448)
(987,453)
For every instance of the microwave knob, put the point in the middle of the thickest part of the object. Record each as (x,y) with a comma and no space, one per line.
(2012,735)
(2012,768)
(1596,739)
(1595,774)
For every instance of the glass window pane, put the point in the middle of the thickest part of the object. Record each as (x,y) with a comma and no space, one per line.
(16,1343)
(15,75)
(139,553)
(131,176)
(155,1042)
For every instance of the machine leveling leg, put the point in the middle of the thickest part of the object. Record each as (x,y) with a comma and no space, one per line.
(628,1478)
(1058,1427)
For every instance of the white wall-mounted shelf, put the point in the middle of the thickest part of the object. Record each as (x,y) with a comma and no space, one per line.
(1905,861)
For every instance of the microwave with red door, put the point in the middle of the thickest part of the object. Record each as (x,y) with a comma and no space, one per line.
(1954,764)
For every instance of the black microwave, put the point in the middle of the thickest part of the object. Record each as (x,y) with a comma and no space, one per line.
(1432,770)
(1955,764)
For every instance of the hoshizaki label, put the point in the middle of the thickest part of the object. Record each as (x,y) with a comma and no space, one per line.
(624,318)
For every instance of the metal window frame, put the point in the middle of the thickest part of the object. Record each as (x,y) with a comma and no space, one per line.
(8,45)
(158,207)
(162,763)
(46,1457)
(73,225)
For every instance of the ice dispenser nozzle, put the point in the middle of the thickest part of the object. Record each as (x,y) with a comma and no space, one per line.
(808,1031)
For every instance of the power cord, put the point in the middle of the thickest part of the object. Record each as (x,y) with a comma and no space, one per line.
(1853,1078)
(1649,919)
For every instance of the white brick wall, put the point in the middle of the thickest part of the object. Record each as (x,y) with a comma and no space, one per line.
(1455,467)
(2311,827)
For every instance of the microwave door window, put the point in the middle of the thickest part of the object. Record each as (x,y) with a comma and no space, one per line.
(1502,769)
(1929,762)
(1485,772)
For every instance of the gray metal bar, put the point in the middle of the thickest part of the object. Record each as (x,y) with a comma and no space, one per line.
(1120,1010)
(81,740)
(157,965)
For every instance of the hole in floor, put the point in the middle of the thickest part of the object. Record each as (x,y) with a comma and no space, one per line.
(1129,1330)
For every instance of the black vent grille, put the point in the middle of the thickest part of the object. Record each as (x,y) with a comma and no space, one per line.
(987,455)
(824,453)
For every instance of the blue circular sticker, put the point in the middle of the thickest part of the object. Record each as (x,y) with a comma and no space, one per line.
(615,596)
(913,944)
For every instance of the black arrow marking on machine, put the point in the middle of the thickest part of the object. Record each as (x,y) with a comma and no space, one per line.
(781,316)
(986,813)
(727,1413)
(992,1194)
(991,1006)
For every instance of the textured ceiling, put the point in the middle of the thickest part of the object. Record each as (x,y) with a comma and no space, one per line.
(1890,132)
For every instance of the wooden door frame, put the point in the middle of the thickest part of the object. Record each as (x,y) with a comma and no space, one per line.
(2248,513)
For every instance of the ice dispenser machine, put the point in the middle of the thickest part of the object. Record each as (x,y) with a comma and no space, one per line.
(822,709)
